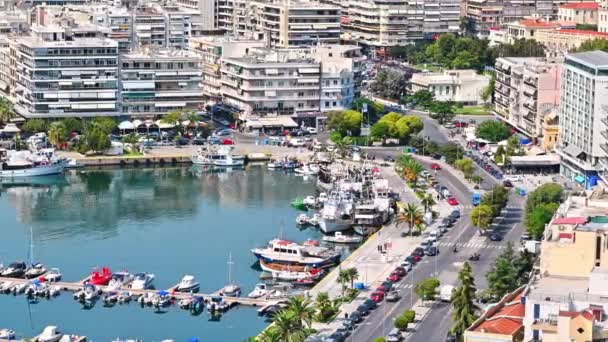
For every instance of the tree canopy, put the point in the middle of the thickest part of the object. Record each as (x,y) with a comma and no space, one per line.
(541,205)
(389,84)
(395,125)
(508,272)
(374,109)
(426,289)
(442,111)
(34,126)
(493,131)
(345,121)
(464,310)
(592,45)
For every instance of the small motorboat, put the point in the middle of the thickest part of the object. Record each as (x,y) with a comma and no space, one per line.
(35,271)
(275,164)
(299,204)
(142,281)
(315,220)
(314,273)
(310,201)
(54,290)
(14,270)
(73,164)
(111,298)
(100,277)
(19,288)
(53,275)
(188,284)
(7,334)
(311,243)
(305,282)
(145,298)
(88,293)
(124,297)
(302,220)
(50,334)
(6,287)
(231,290)
(338,237)
(322,198)
(161,299)
(306,170)
(119,280)
(185,303)
(217,303)
(260,290)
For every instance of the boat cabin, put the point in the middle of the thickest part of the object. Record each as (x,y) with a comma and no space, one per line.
(288,247)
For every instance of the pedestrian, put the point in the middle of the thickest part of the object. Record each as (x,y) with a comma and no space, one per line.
(346,315)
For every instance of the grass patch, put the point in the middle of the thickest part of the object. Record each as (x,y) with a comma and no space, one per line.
(132,153)
(472,110)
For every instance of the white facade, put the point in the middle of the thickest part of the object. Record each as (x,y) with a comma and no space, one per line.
(205,12)
(463,86)
(162,27)
(583,115)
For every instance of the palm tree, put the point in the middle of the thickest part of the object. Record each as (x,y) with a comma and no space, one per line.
(57,133)
(287,328)
(301,308)
(353,274)
(463,306)
(414,170)
(411,215)
(269,335)
(6,110)
(322,302)
(427,202)
(343,279)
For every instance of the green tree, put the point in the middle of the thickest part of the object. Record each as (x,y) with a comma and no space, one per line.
(57,133)
(500,155)
(268,335)
(105,124)
(374,109)
(287,327)
(389,84)
(353,274)
(592,45)
(72,125)
(411,215)
(423,98)
(464,60)
(513,147)
(477,179)
(343,279)
(546,193)
(493,131)
(401,323)
(466,166)
(521,48)
(481,216)
(301,308)
(539,217)
(380,130)
(173,117)
(131,138)
(486,93)
(450,151)
(496,198)
(427,202)
(502,276)
(34,126)
(6,110)
(345,121)
(464,310)
(442,111)
(426,289)
(380,339)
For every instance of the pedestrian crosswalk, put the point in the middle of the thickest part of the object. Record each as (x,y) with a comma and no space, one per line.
(470,206)
(402,286)
(472,245)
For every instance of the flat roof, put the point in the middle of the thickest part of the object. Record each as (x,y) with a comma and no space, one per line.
(160,53)
(594,59)
(78,42)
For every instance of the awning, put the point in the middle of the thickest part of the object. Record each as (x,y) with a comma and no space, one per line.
(573,151)
(126,125)
(170,104)
(276,121)
(579,179)
(545,160)
(10,128)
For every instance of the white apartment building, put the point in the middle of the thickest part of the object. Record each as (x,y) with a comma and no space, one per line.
(463,86)
(59,78)
(583,115)
(297,83)
(526,91)
(154,82)
(204,13)
(211,50)
(119,23)
(166,26)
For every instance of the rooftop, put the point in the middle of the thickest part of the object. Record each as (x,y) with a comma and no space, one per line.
(590,58)
(538,23)
(504,318)
(79,42)
(581,33)
(146,53)
(581,6)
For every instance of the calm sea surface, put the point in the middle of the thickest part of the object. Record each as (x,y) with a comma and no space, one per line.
(167,221)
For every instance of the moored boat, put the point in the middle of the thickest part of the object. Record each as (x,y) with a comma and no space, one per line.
(100,276)
(32,164)
(291,253)
(35,271)
(53,275)
(14,270)
(313,274)
(142,281)
(298,203)
(50,334)
(7,334)
(221,156)
(188,284)
(260,290)
(338,237)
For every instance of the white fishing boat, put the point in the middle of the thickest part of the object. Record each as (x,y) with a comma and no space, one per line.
(188,284)
(315,220)
(291,253)
(309,201)
(338,237)
(336,214)
(302,220)
(41,162)
(275,164)
(7,334)
(88,293)
(313,274)
(221,156)
(53,275)
(307,170)
(322,198)
(260,290)
(54,290)
(6,286)
(50,334)
(119,279)
(142,281)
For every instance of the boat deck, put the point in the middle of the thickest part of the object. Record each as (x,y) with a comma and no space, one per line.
(77,286)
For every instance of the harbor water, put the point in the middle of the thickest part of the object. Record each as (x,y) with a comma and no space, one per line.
(167,221)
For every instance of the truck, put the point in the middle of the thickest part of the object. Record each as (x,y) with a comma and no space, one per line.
(475,199)
(531,246)
(445,293)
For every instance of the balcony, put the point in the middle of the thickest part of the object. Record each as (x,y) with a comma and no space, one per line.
(604,148)
(604,121)
(604,134)
(545,325)
(531,82)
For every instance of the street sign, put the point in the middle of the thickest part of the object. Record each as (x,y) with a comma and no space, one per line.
(365,131)
(364,108)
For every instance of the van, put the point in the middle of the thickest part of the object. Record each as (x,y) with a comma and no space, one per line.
(513,178)
(446,193)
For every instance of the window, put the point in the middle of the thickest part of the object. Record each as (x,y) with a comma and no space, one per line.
(326,103)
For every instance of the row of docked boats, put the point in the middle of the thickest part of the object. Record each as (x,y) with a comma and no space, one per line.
(34,163)
(20,269)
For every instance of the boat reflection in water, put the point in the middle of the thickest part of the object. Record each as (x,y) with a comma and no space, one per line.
(59,180)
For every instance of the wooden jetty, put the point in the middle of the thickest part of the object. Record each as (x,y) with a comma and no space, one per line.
(77,286)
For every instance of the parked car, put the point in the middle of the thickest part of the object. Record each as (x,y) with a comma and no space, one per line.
(407,265)
(363,310)
(393,277)
(418,251)
(411,260)
(311,130)
(401,270)
(495,237)
(452,201)
(449,125)
(213,141)
(435,166)
(460,124)
(389,159)
(227,141)
(507,184)
(377,296)
(431,251)
(183,141)
(393,296)
(394,336)
(223,133)
(336,337)
(370,304)
(455,214)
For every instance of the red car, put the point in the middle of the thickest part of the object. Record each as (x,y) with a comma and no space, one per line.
(416,257)
(393,277)
(460,124)
(381,289)
(227,142)
(435,166)
(377,296)
(452,201)
(401,270)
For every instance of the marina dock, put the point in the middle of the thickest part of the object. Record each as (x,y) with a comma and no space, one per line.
(77,286)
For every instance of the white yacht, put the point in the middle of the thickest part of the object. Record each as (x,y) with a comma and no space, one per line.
(50,334)
(42,162)
(260,290)
(142,281)
(291,253)
(221,156)
(7,334)
(53,275)
(336,214)
(188,284)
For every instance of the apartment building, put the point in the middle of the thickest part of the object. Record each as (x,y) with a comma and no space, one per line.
(567,301)
(118,22)
(462,86)
(532,28)
(602,18)
(378,24)
(156,81)
(583,13)
(526,93)
(298,83)
(211,50)
(59,78)
(560,42)
(583,115)
(166,26)
(204,13)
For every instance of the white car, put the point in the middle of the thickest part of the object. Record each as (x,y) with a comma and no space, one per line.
(311,130)
(407,265)
(297,142)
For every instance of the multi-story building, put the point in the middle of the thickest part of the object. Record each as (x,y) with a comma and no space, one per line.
(212,50)
(378,24)
(119,23)
(205,12)
(583,115)
(154,82)
(602,18)
(298,83)
(560,42)
(525,92)
(531,28)
(166,26)
(567,301)
(462,86)
(583,13)
(59,78)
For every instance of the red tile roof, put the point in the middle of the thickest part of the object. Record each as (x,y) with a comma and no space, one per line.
(570,220)
(581,6)
(587,314)
(537,23)
(583,33)
(506,321)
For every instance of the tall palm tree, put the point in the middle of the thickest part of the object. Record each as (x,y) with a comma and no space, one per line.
(6,110)
(287,328)
(411,215)
(269,335)
(322,302)
(353,274)
(411,170)
(427,202)
(302,309)
(343,279)
(463,306)
(57,133)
